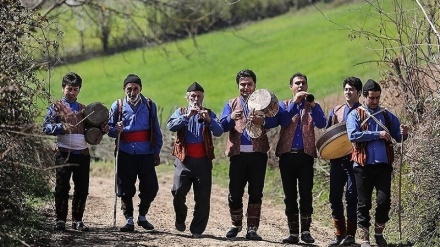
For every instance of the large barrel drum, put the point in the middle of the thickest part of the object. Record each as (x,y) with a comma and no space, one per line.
(334,143)
(93,135)
(97,114)
(263,101)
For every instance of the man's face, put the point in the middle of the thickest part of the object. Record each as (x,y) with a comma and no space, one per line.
(71,92)
(195,98)
(299,84)
(132,90)
(351,94)
(372,99)
(246,86)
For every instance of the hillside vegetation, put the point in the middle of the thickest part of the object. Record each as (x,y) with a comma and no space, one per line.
(274,48)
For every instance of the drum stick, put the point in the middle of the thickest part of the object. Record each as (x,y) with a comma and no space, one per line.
(84,119)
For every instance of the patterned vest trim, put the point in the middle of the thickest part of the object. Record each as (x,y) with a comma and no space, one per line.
(308,132)
(338,112)
(359,154)
(260,144)
(179,148)
(67,115)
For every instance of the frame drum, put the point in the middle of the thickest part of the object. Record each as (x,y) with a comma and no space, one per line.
(334,142)
(93,136)
(98,117)
(263,100)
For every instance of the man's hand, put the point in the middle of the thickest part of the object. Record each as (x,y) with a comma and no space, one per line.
(237,114)
(156,159)
(404,129)
(68,128)
(385,135)
(119,126)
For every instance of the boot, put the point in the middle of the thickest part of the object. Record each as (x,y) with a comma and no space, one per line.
(61,208)
(351,233)
(142,220)
(378,235)
(253,221)
(78,208)
(293,223)
(237,222)
(340,231)
(306,237)
(364,235)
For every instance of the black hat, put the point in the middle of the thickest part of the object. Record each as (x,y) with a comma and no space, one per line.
(195,87)
(371,85)
(132,78)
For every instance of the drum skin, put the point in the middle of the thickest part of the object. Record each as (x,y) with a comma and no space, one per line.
(99,115)
(93,135)
(334,143)
(263,101)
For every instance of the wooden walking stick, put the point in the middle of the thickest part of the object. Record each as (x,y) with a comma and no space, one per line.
(400,189)
(116,179)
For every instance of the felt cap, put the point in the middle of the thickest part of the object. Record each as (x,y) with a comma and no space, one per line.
(195,87)
(371,85)
(132,78)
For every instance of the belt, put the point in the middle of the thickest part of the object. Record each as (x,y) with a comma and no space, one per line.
(296,150)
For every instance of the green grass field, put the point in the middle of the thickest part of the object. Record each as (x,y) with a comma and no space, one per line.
(303,41)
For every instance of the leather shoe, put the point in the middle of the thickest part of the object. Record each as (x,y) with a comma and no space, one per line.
(146,225)
(380,240)
(127,228)
(307,238)
(365,244)
(79,226)
(60,226)
(336,241)
(180,226)
(233,232)
(349,240)
(291,239)
(252,235)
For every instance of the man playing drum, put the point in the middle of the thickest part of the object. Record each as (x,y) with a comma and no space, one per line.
(134,121)
(194,152)
(247,156)
(371,129)
(64,119)
(341,171)
(296,149)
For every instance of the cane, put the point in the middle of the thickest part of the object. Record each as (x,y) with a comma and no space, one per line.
(116,179)
(400,189)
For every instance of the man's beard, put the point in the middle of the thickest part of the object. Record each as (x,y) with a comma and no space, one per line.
(134,101)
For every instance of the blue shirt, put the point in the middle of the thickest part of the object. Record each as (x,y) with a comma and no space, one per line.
(375,148)
(193,133)
(228,124)
(317,115)
(136,119)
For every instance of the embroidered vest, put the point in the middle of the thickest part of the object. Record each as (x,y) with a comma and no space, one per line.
(287,133)
(67,115)
(359,154)
(338,112)
(179,148)
(260,144)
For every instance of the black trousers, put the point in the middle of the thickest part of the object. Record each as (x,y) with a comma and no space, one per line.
(371,177)
(77,167)
(297,176)
(246,168)
(342,175)
(196,172)
(131,167)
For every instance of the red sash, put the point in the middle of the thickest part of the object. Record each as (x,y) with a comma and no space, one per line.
(136,136)
(195,150)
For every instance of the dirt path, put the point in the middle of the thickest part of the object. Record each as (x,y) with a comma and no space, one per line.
(99,217)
